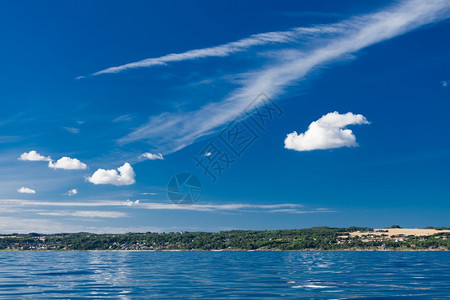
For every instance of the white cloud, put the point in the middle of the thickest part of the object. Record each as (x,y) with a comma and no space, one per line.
(151,156)
(326,133)
(7,204)
(444,83)
(236,207)
(24,206)
(178,130)
(85,214)
(33,156)
(131,203)
(125,176)
(221,50)
(62,163)
(123,118)
(67,163)
(41,225)
(72,192)
(25,190)
(72,130)
(27,203)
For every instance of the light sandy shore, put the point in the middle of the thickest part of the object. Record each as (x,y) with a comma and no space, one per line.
(398,231)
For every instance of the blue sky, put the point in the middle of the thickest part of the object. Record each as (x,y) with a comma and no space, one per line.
(103,102)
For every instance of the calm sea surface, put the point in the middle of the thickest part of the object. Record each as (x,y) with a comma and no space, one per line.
(231,275)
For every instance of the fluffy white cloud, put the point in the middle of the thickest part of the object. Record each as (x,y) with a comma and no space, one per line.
(62,163)
(67,163)
(33,156)
(131,203)
(151,156)
(125,176)
(72,192)
(326,133)
(25,190)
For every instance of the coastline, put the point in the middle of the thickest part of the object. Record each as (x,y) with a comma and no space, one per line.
(234,250)
(307,239)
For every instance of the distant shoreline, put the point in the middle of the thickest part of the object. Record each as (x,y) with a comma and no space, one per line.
(307,239)
(240,250)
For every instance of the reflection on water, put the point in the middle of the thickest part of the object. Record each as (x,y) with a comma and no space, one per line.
(231,275)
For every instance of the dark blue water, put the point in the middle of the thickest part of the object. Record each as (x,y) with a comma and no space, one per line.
(219,275)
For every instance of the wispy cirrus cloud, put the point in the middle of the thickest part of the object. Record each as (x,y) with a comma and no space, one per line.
(40,225)
(123,118)
(278,37)
(138,204)
(85,214)
(73,130)
(235,207)
(170,132)
(27,203)
(152,156)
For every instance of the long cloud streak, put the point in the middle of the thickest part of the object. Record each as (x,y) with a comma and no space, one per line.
(276,37)
(171,132)
(232,207)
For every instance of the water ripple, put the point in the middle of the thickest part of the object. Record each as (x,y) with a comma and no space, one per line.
(224,275)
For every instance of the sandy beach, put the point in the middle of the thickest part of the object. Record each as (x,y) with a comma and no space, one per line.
(400,231)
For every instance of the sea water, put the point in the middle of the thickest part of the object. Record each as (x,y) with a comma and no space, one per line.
(224,275)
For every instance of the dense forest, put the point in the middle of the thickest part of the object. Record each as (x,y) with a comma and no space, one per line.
(317,238)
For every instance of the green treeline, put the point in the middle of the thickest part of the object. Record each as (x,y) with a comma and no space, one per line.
(317,238)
